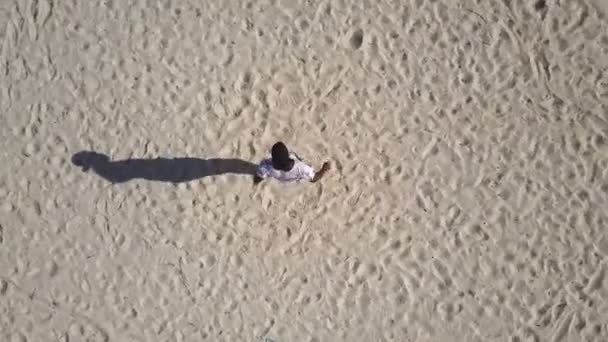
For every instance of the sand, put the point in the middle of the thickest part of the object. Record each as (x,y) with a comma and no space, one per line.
(467,202)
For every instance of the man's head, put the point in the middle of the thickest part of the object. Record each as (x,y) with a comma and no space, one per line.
(280,157)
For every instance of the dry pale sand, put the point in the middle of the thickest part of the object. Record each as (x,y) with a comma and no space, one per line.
(468,199)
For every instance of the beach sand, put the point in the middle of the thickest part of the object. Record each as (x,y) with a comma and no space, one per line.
(467,201)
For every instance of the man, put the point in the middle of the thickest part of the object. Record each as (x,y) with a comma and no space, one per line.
(287,167)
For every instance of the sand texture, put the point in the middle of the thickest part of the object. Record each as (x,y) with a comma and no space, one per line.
(468,199)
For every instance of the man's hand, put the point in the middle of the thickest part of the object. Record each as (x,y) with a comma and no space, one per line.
(324,168)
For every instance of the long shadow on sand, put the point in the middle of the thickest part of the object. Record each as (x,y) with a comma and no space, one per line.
(173,170)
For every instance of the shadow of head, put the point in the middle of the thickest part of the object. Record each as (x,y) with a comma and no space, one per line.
(87,159)
(174,170)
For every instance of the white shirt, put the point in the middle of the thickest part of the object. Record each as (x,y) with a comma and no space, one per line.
(299,171)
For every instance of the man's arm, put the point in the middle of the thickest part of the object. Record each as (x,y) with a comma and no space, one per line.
(326,166)
(297,156)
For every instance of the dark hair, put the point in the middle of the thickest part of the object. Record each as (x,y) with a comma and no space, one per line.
(280,157)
